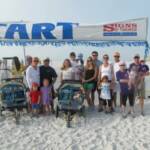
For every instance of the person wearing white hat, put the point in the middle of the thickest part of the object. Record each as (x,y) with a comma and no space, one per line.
(116,68)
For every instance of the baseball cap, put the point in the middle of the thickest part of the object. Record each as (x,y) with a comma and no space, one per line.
(122,63)
(117,54)
(136,55)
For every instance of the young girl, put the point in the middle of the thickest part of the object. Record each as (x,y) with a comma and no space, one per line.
(35,97)
(46,96)
(105,95)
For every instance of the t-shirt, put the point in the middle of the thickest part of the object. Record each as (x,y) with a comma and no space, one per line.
(34,95)
(105,91)
(47,72)
(144,68)
(123,86)
(98,63)
(116,68)
(67,74)
(74,63)
(137,66)
(32,75)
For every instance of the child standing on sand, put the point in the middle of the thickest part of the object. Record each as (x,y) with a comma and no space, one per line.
(105,95)
(35,97)
(46,96)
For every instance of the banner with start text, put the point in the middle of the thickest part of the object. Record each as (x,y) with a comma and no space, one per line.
(130,30)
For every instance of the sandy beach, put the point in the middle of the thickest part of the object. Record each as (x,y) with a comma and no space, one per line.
(98,131)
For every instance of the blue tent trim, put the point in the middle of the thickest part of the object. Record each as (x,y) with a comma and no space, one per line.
(58,43)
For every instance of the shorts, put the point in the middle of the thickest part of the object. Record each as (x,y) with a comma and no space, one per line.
(88,86)
(35,106)
(141,92)
(125,96)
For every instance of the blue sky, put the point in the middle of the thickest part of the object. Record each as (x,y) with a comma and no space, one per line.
(82,11)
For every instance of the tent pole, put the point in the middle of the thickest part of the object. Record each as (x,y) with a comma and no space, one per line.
(24,53)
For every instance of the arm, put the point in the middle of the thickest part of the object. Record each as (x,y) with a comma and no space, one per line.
(124,81)
(94,77)
(113,74)
(39,99)
(28,78)
(54,76)
(99,76)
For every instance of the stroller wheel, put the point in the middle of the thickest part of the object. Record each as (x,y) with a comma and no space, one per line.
(1,110)
(17,116)
(68,119)
(82,111)
(57,112)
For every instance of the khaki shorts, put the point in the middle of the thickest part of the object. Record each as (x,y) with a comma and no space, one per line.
(141,92)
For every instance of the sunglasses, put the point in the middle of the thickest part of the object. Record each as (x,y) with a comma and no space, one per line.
(122,65)
(136,57)
(117,56)
(94,55)
(35,60)
(89,60)
(105,58)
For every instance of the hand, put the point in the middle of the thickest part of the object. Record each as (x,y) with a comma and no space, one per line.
(83,81)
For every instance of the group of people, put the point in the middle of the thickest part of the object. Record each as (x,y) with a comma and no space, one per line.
(105,78)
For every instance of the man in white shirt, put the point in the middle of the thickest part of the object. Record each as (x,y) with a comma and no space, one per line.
(116,68)
(75,66)
(33,73)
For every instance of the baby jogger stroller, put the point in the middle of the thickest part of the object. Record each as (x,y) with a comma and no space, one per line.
(12,93)
(70,100)
(13,97)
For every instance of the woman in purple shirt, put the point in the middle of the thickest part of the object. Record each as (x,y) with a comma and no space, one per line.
(126,93)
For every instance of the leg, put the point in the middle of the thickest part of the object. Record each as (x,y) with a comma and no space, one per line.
(93,92)
(100,107)
(52,106)
(87,95)
(104,104)
(142,105)
(115,99)
(131,101)
(124,100)
(120,100)
(112,107)
(109,105)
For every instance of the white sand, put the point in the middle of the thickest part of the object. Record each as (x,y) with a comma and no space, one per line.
(98,132)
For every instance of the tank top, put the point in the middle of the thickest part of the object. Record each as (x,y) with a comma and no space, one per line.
(89,73)
(106,71)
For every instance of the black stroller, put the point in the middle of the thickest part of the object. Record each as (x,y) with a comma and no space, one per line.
(70,100)
(13,97)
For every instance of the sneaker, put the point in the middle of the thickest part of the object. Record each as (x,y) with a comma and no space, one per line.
(100,109)
(133,114)
(124,115)
(129,112)
(142,113)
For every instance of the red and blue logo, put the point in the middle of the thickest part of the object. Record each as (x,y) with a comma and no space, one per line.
(120,29)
